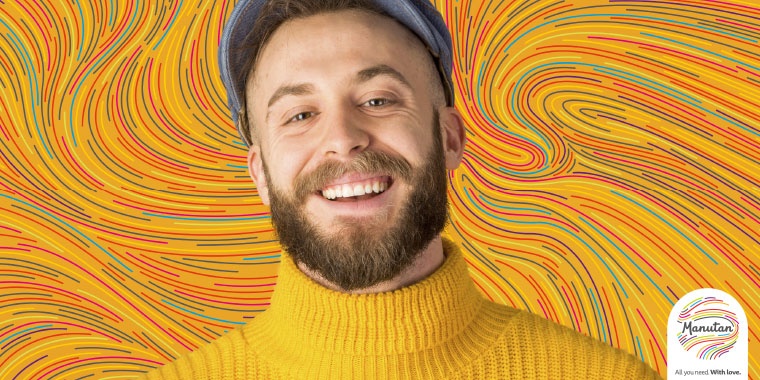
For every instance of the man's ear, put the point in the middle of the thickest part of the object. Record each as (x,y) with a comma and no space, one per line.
(256,170)
(454,136)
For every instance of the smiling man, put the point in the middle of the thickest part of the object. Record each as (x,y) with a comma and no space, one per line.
(347,108)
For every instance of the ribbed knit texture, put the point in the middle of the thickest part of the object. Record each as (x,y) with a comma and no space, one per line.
(439,328)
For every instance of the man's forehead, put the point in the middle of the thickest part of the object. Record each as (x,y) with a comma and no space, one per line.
(297,53)
(341,30)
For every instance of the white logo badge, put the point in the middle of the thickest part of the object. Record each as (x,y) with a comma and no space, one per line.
(707,337)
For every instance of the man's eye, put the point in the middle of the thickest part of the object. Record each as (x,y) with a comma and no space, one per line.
(377,102)
(301,116)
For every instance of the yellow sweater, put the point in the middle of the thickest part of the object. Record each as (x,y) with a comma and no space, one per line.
(439,328)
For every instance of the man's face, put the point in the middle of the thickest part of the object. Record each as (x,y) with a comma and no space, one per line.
(349,153)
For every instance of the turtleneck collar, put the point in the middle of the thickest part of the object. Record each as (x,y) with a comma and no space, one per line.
(411,319)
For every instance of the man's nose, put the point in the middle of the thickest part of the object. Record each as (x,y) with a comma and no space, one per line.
(344,135)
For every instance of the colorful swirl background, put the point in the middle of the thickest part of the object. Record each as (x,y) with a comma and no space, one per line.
(613,165)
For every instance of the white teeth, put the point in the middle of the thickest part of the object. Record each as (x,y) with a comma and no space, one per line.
(346,190)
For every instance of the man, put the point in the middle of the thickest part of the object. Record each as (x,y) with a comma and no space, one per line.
(347,106)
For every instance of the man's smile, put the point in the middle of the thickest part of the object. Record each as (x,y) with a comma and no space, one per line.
(356,190)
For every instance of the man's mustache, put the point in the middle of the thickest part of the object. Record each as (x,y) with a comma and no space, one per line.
(367,162)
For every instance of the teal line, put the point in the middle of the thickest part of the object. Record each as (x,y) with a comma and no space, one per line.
(262,257)
(200,315)
(472,202)
(238,166)
(27,63)
(624,15)
(604,235)
(81,18)
(484,199)
(578,238)
(204,219)
(170,25)
(622,74)
(668,223)
(700,49)
(71,227)
(93,67)
(721,56)
(601,320)
(23,331)
(482,108)
(110,14)
(622,288)
(641,353)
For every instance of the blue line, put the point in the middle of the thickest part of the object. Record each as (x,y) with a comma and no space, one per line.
(170,25)
(622,288)
(668,223)
(71,227)
(721,56)
(23,331)
(501,128)
(602,234)
(95,66)
(700,49)
(262,257)
(623,15)
(27,63)
(110,15)
(204,219)
(641,353)
(484,199)
(623,74)
(601,320)
(81,17)
(201,315)
(571,233)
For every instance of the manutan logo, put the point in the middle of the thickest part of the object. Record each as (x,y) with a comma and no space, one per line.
(708,328)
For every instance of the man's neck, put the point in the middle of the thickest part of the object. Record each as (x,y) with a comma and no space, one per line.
(424,265)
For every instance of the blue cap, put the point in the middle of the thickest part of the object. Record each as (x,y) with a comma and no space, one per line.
(418,15)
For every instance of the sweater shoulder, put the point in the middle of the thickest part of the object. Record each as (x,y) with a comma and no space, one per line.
(555,351)
(206,362)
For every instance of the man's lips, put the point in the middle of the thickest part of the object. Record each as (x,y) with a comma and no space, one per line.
(356,187)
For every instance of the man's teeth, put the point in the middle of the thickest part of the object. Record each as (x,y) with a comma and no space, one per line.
(354,189)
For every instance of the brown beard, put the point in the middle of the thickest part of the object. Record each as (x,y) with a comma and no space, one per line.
(365,253)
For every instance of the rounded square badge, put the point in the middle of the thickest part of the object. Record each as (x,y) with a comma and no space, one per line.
(707,337)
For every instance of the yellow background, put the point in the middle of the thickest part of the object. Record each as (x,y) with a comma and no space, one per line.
(612,167)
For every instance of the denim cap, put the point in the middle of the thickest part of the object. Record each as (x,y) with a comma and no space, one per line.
(419,16)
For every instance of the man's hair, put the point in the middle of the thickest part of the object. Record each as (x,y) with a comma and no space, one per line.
(275,13)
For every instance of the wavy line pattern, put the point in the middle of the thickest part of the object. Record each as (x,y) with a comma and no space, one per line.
(613,165)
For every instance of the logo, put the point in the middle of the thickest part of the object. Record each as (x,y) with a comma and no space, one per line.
(708,328)
(708,337)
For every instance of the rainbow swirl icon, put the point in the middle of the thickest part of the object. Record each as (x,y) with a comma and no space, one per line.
(708,328)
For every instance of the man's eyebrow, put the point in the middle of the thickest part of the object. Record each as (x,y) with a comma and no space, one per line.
(294,89)
(384,70)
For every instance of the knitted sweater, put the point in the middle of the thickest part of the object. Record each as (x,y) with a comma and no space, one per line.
(438,328)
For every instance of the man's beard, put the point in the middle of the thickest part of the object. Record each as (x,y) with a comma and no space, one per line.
(364,251)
